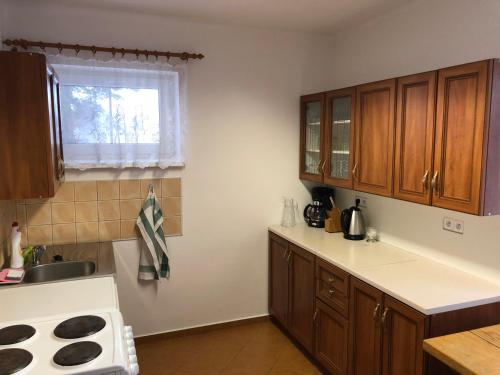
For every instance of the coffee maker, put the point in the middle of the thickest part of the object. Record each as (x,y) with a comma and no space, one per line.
(315,213)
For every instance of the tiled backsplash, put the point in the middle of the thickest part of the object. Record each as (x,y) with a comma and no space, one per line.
(93,211)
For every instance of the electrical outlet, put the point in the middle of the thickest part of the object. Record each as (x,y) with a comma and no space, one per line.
(362,201)
(453,225)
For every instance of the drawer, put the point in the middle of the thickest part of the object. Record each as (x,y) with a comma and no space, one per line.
(332,287)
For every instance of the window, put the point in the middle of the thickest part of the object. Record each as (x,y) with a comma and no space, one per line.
(120,114)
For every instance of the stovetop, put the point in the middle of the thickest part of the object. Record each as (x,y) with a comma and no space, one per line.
(94,341)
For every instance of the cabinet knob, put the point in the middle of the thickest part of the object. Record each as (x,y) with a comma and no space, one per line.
(331,280)
(331,292)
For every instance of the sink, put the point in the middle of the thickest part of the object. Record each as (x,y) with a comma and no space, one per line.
(59,271)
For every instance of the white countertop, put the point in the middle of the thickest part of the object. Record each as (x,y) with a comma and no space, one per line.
(427,286)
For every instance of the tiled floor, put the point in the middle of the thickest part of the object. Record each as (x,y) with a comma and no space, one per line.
(251,349)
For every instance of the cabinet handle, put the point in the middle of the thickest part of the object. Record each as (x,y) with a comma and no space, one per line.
(425,180)
(285,253)
(434,182)
(289,256)
(318,169)
(354,170)
(331,292)
(315,316)
(331,280)
(383,320)
(323,166)
(376,311)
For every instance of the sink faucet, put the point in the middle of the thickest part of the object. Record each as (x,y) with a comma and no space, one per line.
(37,254)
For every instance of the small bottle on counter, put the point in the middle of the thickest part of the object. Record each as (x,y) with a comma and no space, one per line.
(16,259)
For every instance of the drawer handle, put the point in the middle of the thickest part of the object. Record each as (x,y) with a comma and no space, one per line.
(331,292)
(376,311)
(331,280)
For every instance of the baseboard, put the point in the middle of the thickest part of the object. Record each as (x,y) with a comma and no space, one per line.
(199,329)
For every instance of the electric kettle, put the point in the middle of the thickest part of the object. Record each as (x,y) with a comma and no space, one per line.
(315,214)
(353,224)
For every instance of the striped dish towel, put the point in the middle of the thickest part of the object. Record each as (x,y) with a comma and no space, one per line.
(153,263)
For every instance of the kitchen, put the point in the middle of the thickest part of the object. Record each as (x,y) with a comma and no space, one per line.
(242,146)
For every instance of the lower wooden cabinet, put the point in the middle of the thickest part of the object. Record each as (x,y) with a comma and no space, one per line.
(375,335)
(301,291)
(365,334)
(331,339)
(403,334)
(291,289)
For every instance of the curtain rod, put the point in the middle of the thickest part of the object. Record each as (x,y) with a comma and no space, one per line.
(25,44)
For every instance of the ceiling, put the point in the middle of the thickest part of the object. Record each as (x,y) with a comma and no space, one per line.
(316,16)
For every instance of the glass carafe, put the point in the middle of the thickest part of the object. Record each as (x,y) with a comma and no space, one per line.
(289,209)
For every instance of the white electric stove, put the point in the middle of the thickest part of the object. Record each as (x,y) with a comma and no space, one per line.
(71,327)
(90,342)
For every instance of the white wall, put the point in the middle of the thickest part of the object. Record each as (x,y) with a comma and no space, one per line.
(242,154)
(422,36)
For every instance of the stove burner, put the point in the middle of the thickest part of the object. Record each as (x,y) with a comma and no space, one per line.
(15,334)
(14,360)
(81,326)
(77,353)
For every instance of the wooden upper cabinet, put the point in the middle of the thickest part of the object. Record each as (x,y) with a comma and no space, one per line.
(312,158)
(339,137)
(413,151)
(459,145)
(375,128)
(404,333)
(28,104)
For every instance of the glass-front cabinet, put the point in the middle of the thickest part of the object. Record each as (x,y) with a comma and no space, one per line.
(339,137)
(312,158)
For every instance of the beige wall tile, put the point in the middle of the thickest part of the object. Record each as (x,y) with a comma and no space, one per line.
(128,229)
(87,232)
(145,187)
(171,206)
(108,210)
(108,190)
(65,193)
(63,213)
(63,233)
(39,214)
(129,209)
(40,235)
(109,230)
(130,189)
(85,191)
(21,215)
(171,187)
(86,211)
(24,237)
(173,226)
(37,200)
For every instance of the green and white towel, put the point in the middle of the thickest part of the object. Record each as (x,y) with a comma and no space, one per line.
(153,263)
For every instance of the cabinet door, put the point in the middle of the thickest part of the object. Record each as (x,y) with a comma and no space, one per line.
(332,338)
(312,160)
(404,330)
(365,333)
(339,137)
(414,137)
(300,321)
(460,123)
(278,278)
(375,128)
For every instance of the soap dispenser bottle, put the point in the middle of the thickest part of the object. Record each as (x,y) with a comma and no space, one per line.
(16,260)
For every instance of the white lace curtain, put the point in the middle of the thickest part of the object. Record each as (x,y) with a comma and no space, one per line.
(119,114)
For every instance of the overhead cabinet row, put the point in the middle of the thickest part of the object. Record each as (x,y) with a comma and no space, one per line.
(431,138)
